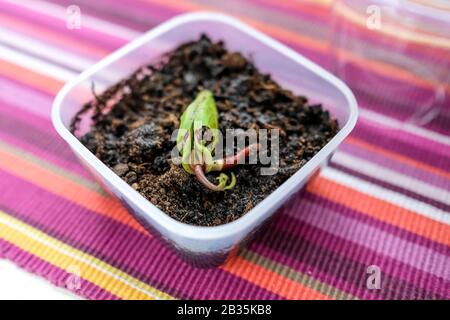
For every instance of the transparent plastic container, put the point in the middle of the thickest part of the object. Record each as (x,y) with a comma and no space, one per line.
(395,55)
(205,246)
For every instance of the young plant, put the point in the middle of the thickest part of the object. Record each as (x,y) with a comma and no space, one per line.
(197,139)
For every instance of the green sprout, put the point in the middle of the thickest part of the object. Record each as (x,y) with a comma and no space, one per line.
(197,139)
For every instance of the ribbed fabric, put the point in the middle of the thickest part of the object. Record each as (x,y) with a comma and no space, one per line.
(384,200)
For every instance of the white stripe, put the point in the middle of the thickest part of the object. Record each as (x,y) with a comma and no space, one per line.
(59,12)
(393,177)
(35,64)
(74,255)
(30,45)
(52,53)
(405,126)
(386,195)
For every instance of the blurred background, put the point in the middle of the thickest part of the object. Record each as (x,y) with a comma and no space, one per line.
(384,201)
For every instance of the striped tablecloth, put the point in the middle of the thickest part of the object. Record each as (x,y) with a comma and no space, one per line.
(383,204)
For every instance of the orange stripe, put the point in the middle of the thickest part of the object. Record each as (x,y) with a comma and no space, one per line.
(397,156)
(51,36)
(30,78)
(380,210)
(270,280)
(67,189)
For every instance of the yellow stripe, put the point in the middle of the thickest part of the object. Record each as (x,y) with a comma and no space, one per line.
(66,257)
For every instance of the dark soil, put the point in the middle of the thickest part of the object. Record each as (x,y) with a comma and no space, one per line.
(133,137)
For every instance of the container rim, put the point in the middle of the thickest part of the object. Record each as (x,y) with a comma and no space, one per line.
(240,225)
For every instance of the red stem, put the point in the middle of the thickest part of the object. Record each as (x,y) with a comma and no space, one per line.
(200,174)
(232,161)
(223,164)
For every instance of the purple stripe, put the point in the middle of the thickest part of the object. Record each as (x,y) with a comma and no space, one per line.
(142,16)
(314,252)
(387,140)
(401,110)
(406,107)
(315,18)
(383,226)
(37,136)
(412,141)
(440,205)
(374,238)
(72,166)
(401,167)
(24,118)
(26,128)
(55,275)
(21,125)
(144,257)
(441,122)
(45,141)
(32,99)
(387,91)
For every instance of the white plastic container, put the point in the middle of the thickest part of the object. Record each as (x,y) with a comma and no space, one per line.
(205,246)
